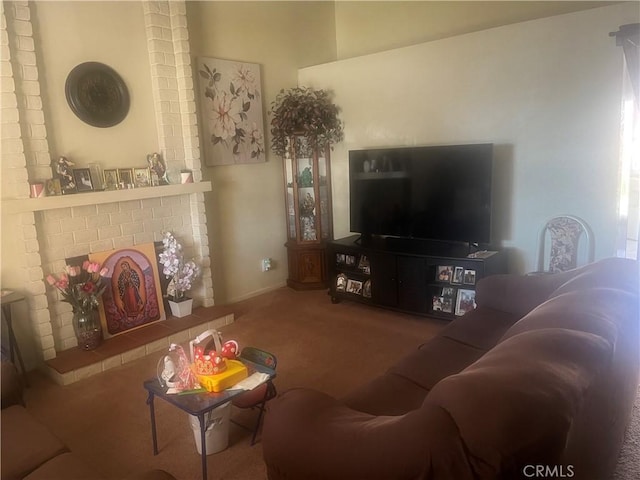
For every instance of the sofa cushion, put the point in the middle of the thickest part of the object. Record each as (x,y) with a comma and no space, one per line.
(618,273)
(435,360)
(388,394)
(515,405)
(66,466)
(26,443)
(595,310)
(481,328)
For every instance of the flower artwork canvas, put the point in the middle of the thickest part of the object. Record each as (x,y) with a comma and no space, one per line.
(230,101)
(132,297)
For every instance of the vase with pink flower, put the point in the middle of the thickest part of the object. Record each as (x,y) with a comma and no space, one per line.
(82,286)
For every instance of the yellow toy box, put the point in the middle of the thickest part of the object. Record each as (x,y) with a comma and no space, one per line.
(235,372)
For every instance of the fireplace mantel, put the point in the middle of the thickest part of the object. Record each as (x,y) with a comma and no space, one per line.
(23,205)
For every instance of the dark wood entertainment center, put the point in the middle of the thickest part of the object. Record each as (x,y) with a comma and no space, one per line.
(436,279)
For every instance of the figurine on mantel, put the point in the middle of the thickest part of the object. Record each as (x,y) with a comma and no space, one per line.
(64,172)
(158,169)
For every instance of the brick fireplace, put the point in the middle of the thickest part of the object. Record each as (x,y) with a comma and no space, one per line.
(48,230)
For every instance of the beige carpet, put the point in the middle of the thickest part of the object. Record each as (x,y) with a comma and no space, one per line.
(331,347)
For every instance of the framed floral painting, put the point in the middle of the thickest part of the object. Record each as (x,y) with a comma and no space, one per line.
(133,295)
(230,102)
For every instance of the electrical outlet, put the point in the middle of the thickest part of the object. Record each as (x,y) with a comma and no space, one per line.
(266,264)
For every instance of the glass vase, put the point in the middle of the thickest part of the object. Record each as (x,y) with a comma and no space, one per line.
(88,329)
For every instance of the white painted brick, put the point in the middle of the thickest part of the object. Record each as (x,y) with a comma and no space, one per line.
(101,245)
(154,32)
(156,58)
(121,217)
(34,116)
(111,362)
(32,259)
(29,232)
(167,34)
(109,232)
(44,329)
(52,227)
(153,225)
(8,100)
(98,220)
(89,371)
(84,210)
(35,274)
(85,236)
(57,214)
(22,27)
(162,46)
(132,228)
(39,302)
(11,145)
(181,33)
(10,131)
(34,102)
(159,19)
(133,355)
(31,246)
(48,353)
(123,242)
(157,346)
(35,288)
(9,115)
(161,212)
(30,87)
(74,224)
(130,205)
(76,250)
(172,83)
(104,208)
(25,43)
(28,72)
(26,58)
(21,12)
(4,38)
(36,144)
(6,69)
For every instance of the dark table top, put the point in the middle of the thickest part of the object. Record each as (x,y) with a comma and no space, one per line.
(202,402)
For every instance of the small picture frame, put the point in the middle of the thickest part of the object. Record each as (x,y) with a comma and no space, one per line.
(82,176)
(111,179)
(458,273)
(354,286)
(350,260)
(341,283)
(469,277)
(366,289)
(96,176)
(52,187)
(465,302)
(442,304)
(444,273)
(141,177)
(125,178)
(363,264)
(340,258)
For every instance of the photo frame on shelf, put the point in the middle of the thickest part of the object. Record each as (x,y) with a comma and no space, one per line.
(465,302)
(363,264)
(52,187)
(469,277)
(96,176)
(125,178)
(340,258)
(354,286)
(444,273)
(141,177)
(341,283)
(111,180)
(458,273)
(350,260)
(82,177)
(441,303)
(366,289)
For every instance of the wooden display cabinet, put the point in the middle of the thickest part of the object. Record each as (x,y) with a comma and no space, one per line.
(307,181)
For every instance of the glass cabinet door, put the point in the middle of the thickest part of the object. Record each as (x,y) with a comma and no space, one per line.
(308,192)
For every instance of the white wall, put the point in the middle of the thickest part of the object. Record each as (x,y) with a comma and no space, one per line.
(546,92)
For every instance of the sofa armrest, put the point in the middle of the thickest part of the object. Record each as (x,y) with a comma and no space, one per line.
(518,294)
(308,434)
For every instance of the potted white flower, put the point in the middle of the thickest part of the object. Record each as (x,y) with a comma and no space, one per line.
(182,274)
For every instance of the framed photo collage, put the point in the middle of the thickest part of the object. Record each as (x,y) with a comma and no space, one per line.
(354,284)
(454,297)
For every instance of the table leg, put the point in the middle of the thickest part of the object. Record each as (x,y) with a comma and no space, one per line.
(203,444)
(152,412)
(13,343)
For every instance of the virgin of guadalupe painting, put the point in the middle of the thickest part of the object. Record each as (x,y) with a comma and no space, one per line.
(132,297)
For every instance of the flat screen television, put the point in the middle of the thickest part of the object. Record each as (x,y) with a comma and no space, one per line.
(430,192)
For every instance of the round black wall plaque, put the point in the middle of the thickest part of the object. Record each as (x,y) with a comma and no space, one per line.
(97,94)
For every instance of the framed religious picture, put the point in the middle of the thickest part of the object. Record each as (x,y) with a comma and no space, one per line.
(82,177)
(125,178)
(111,179)
(133,296)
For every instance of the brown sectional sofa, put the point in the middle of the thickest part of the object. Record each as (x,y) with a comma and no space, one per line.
(31,452)
(541,375)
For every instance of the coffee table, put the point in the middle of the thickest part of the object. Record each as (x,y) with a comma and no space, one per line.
(196,404)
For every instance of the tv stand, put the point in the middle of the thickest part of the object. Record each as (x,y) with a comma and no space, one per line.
(422,277)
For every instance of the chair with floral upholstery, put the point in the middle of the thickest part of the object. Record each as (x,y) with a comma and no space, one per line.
(564,234)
